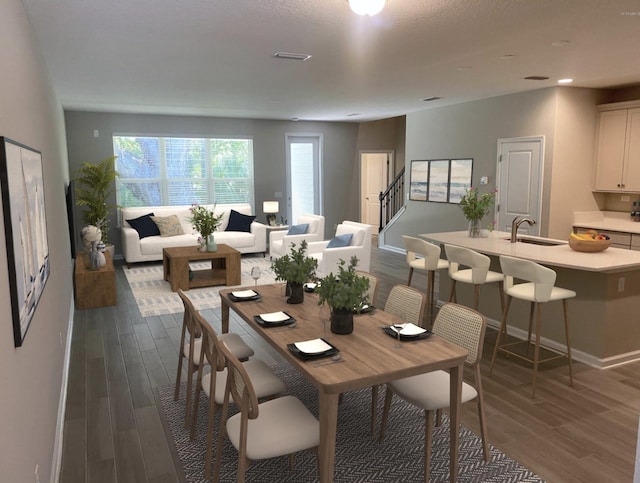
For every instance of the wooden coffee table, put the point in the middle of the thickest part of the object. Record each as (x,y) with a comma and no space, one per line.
(225,267)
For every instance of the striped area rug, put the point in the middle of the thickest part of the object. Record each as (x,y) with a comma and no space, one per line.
(154,296)
(360,457)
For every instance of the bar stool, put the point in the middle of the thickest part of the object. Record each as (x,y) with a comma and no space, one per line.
(477,273)
(538,288)
(430,262)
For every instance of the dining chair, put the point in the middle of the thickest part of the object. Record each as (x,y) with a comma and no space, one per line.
(266,384)
(469,266)
(428,261)
(537,287)
(190,349)
(408,304)
(278,427)
(464,327)
(373,286)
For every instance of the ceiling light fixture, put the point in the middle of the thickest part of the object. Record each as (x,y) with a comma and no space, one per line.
(565,81)
(432,98)
(367,7)
(291,56)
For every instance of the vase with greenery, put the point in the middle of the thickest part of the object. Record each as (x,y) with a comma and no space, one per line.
(344,293)
(296,269)
(475,206)
(95,184)
(205,221)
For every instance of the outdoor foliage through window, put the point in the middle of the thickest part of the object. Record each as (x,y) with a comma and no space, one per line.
(156,171)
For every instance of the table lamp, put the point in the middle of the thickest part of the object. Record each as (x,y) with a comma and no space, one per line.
(270,208)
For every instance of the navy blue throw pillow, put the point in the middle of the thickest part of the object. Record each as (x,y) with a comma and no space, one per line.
(239,222)
(144,225)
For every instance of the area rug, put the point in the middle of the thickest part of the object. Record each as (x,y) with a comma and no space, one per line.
(359,457)
(154,296)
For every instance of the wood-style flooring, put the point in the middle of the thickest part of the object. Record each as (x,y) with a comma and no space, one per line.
(113,431)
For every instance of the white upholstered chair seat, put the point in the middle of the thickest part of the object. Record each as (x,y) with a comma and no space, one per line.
(236,345)
(421,264)
(412,389)
(284,426)
(466,276)
(527,291)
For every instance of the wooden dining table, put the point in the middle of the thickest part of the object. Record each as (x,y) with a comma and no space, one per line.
(368,356)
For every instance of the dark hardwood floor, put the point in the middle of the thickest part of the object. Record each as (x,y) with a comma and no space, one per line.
(113,431)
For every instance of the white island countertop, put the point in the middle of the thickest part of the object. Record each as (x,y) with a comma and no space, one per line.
(610,260)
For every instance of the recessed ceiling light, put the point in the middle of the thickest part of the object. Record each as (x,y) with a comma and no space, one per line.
(432,98)
(291,56)
(565,81)
(507,56)
(464,67)
(560,43)
(537,77)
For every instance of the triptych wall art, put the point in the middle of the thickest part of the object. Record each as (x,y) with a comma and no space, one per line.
(25,229)
(440,180)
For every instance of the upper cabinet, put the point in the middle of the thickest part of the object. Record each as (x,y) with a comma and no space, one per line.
(618,147)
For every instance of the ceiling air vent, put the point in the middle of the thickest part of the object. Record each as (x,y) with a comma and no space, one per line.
(291,56)
(432,98)
(537,77)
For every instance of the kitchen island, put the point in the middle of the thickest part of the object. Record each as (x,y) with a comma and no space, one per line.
(604,320)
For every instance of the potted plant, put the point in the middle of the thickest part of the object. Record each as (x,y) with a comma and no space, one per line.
(475,207)
(344,293)
(95,184)
(205,221)
(296,269)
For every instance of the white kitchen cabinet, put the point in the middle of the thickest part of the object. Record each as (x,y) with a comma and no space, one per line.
(618,148)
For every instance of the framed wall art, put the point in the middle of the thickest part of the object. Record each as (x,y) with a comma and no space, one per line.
(25,229)
(438,180)
(460,178)
(418,181)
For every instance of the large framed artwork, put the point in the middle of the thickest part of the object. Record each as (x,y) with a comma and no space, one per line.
(418,180)
(439,180)
(459,179)
(25,230)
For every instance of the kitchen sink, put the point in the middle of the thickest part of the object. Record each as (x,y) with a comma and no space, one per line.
(538,241)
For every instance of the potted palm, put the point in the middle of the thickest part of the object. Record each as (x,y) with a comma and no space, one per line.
(296,269)
(343,293)
(95,184)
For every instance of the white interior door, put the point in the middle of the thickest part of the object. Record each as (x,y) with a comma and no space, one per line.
(374,178)
(519,171)
(303,175)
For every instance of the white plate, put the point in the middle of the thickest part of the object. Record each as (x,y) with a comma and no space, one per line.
(314,346)
(409,329)
(310,285)
(274,317)
(244,294)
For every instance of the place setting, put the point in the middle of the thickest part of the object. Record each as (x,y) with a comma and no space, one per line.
(316,351)
(275,319)
(405,331)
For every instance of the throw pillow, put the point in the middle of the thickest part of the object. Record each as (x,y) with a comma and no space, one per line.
(239,222)
(340,241)
(168,225)
(144,225)
(298,229)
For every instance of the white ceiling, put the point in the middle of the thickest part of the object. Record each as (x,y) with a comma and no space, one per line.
(215,57)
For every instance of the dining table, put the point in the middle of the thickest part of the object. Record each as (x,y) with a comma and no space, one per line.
(368,357)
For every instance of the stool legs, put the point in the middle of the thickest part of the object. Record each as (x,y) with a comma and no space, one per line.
(431,280)
(566,331)
(501,331)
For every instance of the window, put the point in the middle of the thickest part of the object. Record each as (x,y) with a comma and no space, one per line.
(157,171)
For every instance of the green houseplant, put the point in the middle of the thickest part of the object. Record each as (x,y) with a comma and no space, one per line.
(475,207)
(344,293)
(205,221)
(295,268)
(95,183)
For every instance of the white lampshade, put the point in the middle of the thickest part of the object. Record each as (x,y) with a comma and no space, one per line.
(367,7)
(270,207)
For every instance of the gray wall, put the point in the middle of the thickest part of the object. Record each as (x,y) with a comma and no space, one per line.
(340,146)
(31,375)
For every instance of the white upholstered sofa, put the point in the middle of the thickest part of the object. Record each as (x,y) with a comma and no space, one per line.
(149,248)
(359,245)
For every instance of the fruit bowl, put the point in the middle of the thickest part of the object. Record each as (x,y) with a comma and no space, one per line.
(589,245)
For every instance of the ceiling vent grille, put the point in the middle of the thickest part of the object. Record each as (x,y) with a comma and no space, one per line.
(537,77)
(291,56)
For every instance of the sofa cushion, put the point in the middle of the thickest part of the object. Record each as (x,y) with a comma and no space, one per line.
(239,222)
(340,241)
(153,245)
(300,229)
(144,225)
(168,225)
(235,239)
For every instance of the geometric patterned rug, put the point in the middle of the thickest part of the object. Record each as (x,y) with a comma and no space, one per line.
(359,457)
(154,296)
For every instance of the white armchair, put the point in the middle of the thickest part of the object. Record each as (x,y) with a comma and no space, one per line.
(359,245)
(280,242)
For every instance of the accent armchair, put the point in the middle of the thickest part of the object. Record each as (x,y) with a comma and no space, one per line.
(280,241)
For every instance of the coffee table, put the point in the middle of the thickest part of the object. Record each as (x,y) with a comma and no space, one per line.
(225,267)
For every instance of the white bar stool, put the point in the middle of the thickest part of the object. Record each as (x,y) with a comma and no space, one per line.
(477,273)
(538,288)
(430,262)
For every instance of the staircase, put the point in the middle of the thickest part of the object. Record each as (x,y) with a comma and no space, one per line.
(392,201)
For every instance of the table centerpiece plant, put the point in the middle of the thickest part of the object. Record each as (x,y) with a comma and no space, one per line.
(205,221)
(296,269)
(344,293)
(475,206)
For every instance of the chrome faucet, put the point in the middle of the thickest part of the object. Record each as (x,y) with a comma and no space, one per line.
(515,224)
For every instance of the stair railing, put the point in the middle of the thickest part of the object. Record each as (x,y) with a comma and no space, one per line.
(391,200)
